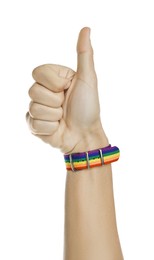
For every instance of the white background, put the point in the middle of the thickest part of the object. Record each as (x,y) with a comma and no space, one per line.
(32,174)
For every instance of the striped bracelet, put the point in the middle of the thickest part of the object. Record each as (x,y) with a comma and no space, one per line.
(85,160)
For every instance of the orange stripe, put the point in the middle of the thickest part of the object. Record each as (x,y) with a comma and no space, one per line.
(94,165)
(107,162)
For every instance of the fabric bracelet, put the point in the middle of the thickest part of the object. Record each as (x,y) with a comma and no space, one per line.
(86,160)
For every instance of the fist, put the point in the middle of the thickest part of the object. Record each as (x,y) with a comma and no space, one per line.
(64,111)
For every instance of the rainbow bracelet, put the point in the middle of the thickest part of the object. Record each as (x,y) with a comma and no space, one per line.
(86,160)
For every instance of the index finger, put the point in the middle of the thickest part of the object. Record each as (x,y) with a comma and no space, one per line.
(53,77)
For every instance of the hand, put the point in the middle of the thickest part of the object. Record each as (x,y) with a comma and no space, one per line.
(65,110)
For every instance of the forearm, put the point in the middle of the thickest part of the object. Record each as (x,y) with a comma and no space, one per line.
(90,222)
(65,113)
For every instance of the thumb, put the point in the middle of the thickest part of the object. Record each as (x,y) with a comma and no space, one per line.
(85,64)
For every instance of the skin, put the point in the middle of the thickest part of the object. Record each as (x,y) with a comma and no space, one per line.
(65,113)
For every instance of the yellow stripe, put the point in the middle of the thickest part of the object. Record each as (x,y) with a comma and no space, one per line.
(83,163)
(68,164)
(95,160)
(108,160)
(110,157)
(80,163)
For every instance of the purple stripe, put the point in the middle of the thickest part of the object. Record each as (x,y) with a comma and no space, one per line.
(91,153)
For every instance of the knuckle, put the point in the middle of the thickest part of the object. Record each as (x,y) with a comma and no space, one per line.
(33,91)
(34,73)
(37,71)
(34,126)
(33,109)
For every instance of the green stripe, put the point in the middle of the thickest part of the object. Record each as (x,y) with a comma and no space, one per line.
(110,153)
(79,160)
(67,160)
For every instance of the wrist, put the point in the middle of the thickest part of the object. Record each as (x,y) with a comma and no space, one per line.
(91,141)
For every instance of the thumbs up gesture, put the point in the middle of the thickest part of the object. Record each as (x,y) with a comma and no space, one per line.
(64,111)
